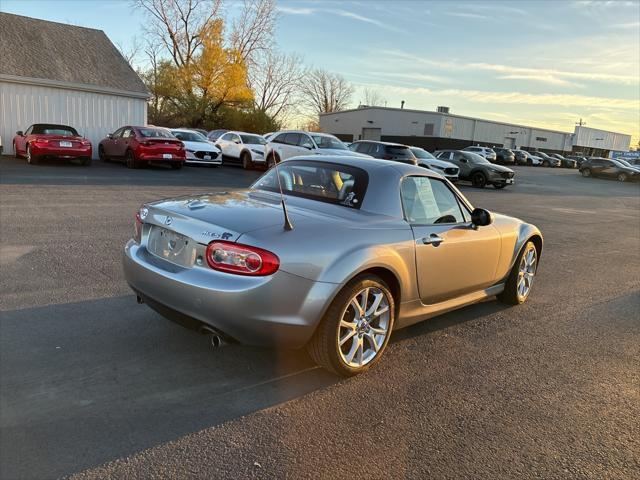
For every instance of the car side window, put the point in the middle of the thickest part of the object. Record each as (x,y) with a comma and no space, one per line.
(291,139)
(305,141)
(279,138)
(428,201)
(235,138)
(127,133)
(29,130)
(363,147)
(117,133)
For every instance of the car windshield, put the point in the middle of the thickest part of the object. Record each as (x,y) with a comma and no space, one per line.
(154,133)
(54,130)
(625,163)
(253,139)
(399,151)
(326,141)
(189,136)
(475,158)
(420,153)
(326,182)
(215,134)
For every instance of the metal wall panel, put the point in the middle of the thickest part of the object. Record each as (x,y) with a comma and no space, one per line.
(92,114)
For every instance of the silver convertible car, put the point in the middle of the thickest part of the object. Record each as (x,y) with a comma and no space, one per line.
(330,253)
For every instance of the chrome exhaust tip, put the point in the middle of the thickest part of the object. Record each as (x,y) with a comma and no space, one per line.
(216,340)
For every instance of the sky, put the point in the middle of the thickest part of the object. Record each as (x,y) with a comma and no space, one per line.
(543,63)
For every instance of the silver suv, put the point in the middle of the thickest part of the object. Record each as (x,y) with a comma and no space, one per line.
(485,152)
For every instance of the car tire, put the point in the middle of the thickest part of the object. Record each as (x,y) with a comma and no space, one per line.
(272,159)
(479,180)
(245,159)
(15,152)
(31,159)
(176,165)
(586,172)
(101,155)
(130,160)
(622,177)
(520,280)
(344,322)
(546,163)
(529,162)
(499,186)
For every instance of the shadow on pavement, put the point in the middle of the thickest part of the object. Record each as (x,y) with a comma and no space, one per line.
(88,382)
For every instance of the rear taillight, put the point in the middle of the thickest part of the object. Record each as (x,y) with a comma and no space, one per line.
(139,221)
(241,259)
(41,141)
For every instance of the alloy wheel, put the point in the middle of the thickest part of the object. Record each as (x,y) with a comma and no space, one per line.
(526,271)
(622,177)
(29,157)
(479,180)
(586,172)
(364,327)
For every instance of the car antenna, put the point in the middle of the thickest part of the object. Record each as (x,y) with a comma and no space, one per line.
(287,223)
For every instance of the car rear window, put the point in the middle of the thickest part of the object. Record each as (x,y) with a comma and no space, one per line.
(54,130)
(399,151)
(253,139)
(323,181)
(154,133)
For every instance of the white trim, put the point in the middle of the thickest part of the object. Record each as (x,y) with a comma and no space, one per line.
(43,82)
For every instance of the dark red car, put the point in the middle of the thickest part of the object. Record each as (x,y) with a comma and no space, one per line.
(46,140)
(137,146)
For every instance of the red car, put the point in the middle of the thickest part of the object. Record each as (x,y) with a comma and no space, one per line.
(46,140)
(138,146)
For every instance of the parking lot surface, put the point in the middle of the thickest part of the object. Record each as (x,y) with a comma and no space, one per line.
(93,385)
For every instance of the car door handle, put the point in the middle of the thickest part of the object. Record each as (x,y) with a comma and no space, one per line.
(432,239)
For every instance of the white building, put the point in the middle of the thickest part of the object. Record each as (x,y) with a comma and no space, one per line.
(57,73)
(439,130)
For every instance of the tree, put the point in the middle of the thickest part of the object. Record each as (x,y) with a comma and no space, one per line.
(324,92)
(252,31)
(372,98)
(275,81)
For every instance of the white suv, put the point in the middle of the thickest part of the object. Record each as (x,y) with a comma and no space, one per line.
(291,143)
(485,152)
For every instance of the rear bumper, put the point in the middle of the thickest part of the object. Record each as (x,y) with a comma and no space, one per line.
(278,310)
(154,157)
(60,152)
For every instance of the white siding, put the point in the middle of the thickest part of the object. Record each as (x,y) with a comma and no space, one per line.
(601,139)
(92,114)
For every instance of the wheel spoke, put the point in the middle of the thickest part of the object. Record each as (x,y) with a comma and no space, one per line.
(360,351)
(352,352)
(377,299)
(349,325)
(356,306)
(363,301)
(384,309)
(346,337)
(379,331)
(372,340)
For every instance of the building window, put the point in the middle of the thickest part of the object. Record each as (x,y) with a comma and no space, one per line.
(428,129)
(541,139)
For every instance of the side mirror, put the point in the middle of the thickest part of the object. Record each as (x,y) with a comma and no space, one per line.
(481,217)
(237,142)
(19,133)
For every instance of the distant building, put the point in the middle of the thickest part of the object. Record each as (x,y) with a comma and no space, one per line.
(440,130)
(57,73)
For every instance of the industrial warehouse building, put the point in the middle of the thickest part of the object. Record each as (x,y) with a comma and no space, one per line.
(57,73)
(441,130)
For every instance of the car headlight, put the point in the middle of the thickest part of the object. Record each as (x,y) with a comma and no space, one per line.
(438,167)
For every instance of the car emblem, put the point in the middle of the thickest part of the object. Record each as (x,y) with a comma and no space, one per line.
(168,221)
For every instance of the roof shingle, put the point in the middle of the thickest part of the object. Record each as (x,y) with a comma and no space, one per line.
(35,48)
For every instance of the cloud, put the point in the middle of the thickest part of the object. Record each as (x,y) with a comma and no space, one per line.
(543,75)
(476,16)
(337,11)
(295,10)
(551,80)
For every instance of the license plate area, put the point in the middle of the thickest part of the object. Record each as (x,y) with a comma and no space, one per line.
(172,246)
(167,156)
(509,181)
(66,144)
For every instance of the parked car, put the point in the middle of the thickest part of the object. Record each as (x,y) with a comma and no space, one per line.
(48,140)
(246,149)
(526,158)
(0,145)
(632,161)
(201,131)
(368,247)
(199,150)
(485,152)
(292,143)
(547,160)
(579,159)
(384,151)
(504,156)
(477,169)
(565,162)
(213,135)
(138,146)
(426,160)
(608,168)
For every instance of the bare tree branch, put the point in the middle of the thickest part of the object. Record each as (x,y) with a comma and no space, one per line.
(372,98)
(324,92)
(252,31)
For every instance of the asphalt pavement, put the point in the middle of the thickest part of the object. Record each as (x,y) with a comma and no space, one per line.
(93,385)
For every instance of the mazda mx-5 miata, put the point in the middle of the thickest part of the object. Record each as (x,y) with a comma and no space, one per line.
(332,253)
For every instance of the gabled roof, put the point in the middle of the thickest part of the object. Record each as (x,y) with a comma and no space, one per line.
(39,49)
